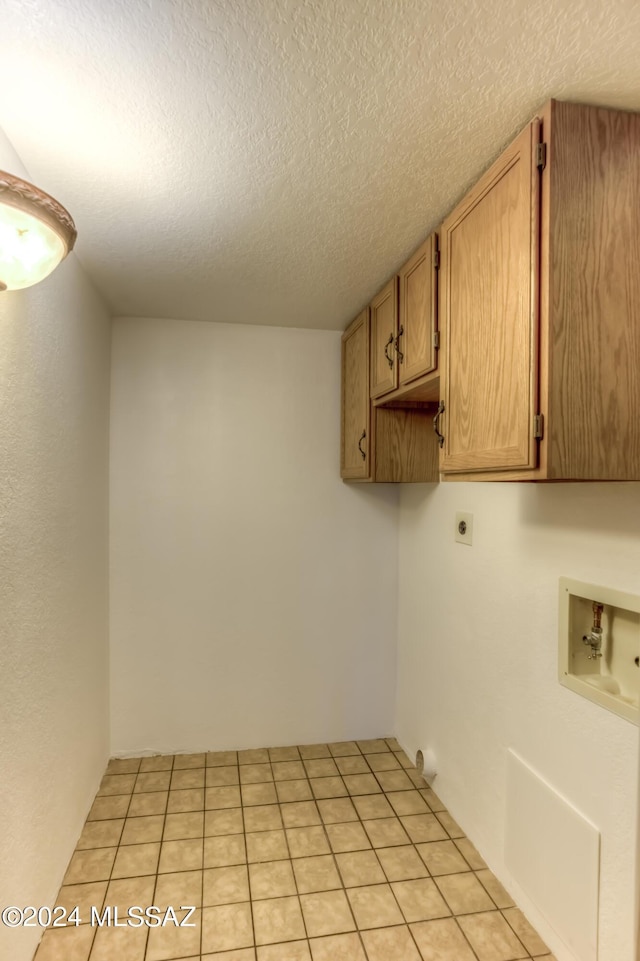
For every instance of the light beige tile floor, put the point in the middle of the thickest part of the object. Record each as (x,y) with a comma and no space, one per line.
(323,852)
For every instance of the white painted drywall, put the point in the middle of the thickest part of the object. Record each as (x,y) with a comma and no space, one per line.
(477,665)
(54,408)
(253,594)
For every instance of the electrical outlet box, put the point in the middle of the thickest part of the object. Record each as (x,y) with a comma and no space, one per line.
(464,528)
(599,645)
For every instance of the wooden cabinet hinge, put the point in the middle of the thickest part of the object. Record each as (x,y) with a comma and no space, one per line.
(541,155)
(436,259)
(538,426)
(436,339)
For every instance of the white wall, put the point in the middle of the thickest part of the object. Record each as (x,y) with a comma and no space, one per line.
(253,594)
(54,406)
(477,664)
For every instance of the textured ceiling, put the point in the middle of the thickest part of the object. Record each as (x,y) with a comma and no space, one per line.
(274,161)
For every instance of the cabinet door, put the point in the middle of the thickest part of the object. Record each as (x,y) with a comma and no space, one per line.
(418,294)
(384,327)
(355,459)
(489,314)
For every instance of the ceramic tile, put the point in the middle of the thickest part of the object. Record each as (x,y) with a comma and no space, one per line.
(371,806)
(321,767)
(129,765)
(452,828)
(441,940)
(420,900)
(343,748)
(404,761)
(178,856)
(109,808)
(355,764)
(181,802)
(373,746)
(221,797)
(266,846)
(326,912)
(277,754)
(187,780)
(123,893)
(255,773)
(125,944)
(82,896)
(386,832)
(289,951)
(288,770)
(265,817)
(271,879)
(349,836)
(152,782)
(100,834)
(337,810)
(326,787)
(180,826)
(306,842)
(143,805)
(432,800)
(159,762)
(293,791)
(498,894)
(92,865)
(417,779)
(181,888)
(491,937)
(390,944)
(222,851)
(279,919)
(182,762)
(442,857)
(116,784)
(394,781)
(134,860)
(242,954)
(408,802)
(66,944)
(300,814)
(470,854)
(401,863)
(254,756)
(224,821)
(227,885)
(464,894)
(222,776)
(253,794)
(374,906)
(143,830)
(359,868)
(316,874)
(171,941)
(525,932)
(221,758)
(337,947)
(392,744)
(361,784)
(423,827)
(226,927)
(313,750)
(383,762)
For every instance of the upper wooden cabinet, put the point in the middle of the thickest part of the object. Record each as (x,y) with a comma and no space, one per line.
(379,444)
(404,331)
(540,306)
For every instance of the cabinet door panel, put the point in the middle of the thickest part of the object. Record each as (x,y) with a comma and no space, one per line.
(418,313)
(384,327)
(356,406)
(489,280)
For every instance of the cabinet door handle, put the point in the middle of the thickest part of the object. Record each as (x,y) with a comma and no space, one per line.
(364,453)
(436,422)
(388,344)
(397,344)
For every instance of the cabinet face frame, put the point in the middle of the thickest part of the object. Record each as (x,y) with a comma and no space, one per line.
(416,332)
(355,410)
(509,455)
(384,329)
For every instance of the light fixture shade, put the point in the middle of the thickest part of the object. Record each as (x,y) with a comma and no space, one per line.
(36,233)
